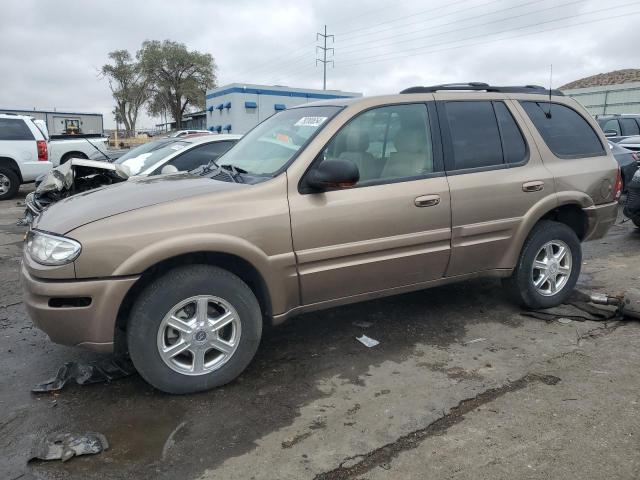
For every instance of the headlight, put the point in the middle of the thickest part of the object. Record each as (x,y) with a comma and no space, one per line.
(48,249)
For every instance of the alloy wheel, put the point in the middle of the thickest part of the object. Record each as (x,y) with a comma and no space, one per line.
(199,335)
(551,268)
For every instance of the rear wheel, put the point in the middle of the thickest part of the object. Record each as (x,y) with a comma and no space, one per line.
(195,328)
(548,267)
(9,183)
(68,156)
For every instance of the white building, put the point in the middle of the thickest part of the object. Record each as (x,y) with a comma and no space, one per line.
(238,107)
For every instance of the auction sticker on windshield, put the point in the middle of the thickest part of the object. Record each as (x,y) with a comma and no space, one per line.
(310,121)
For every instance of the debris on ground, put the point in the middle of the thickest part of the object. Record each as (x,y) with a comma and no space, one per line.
(64,446)
(582,306)
(87,373)
(363,324)
(367,341)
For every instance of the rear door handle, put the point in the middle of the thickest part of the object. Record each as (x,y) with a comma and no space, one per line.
(427,201)
(534,186)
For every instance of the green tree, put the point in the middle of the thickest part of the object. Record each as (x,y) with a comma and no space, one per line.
(178,78)
(129,87)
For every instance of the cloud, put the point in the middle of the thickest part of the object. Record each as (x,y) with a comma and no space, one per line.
(50,54)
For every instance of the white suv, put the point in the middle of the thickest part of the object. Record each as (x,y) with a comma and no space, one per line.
(24,153)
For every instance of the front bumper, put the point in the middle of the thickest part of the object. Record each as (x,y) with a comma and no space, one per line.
(600,218)
(55,307)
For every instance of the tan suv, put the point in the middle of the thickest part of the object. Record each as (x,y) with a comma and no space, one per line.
(323,205)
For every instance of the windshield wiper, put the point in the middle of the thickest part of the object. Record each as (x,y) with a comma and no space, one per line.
(234,172)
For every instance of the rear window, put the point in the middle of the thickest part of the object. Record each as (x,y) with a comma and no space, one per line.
(565,131)
(629,126)
(14,129)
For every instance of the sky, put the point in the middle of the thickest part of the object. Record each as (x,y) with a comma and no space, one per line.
(51,52)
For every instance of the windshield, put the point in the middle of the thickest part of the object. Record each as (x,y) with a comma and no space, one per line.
(147,155)
(269,146)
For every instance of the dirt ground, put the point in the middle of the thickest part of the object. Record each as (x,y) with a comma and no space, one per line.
(461,386)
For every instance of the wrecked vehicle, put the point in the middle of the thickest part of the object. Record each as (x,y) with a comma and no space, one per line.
(322,205)
(162,156)
(632,204)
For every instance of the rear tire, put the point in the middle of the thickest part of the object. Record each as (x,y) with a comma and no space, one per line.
(207,357)
(544,277)
(68,156)
(9,183)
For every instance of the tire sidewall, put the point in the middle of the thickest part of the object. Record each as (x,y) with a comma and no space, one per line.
(14,183)
(159,297)
(547,231)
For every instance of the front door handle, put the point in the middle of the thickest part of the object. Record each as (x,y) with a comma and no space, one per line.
(427,201)
(534,186)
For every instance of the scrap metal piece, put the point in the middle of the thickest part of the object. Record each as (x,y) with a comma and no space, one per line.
(64,446)
(87,373)
(367,341)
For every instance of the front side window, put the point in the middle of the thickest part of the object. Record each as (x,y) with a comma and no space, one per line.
(270,146)
(565,131)
(629,126)
(386,143)
(611,126)
(14,129)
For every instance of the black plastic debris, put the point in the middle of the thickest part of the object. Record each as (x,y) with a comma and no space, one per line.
(64,446)
(87,373)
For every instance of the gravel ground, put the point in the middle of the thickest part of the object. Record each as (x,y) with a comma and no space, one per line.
(460,386)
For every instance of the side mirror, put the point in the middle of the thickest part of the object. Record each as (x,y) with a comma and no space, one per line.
(168,169)
(334,173)
(610,133)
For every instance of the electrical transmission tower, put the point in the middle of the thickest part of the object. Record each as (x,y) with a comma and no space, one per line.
(324,60)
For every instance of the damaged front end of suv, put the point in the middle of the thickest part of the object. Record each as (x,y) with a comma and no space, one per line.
(75,176)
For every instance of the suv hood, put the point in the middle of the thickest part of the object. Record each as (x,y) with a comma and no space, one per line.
(87,207)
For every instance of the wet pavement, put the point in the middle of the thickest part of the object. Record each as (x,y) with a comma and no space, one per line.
(314,402)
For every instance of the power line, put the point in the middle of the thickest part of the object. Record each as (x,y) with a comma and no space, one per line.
(430,19)
(504,19)
(456,21)
(388,58)
(324,60)
(400,18)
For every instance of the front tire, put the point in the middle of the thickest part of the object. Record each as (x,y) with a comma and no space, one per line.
(548,267)
(9,183)
(195,328)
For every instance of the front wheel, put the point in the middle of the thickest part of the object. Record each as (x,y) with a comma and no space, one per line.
(548,267)
(197,327)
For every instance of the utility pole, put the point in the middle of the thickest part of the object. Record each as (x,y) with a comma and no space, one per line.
(324,60)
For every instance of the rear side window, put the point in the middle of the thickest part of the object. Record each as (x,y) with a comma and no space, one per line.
(629,126)
(14,129)
(483,134)
(565,131)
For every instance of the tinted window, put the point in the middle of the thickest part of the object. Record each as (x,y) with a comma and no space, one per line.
(629,126)
(386,143)
(565,131)
(612,126)
(475,137)
(14,129)
(199,156)
(514,147)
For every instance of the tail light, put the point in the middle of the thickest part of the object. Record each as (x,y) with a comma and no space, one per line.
(617,191)
(43,154)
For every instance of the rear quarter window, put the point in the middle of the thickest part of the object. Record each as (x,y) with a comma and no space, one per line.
(565,131)
(14,129)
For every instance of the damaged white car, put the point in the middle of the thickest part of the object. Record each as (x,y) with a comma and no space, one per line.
(153,158)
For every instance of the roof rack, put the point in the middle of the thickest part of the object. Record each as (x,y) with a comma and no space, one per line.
(480,86)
